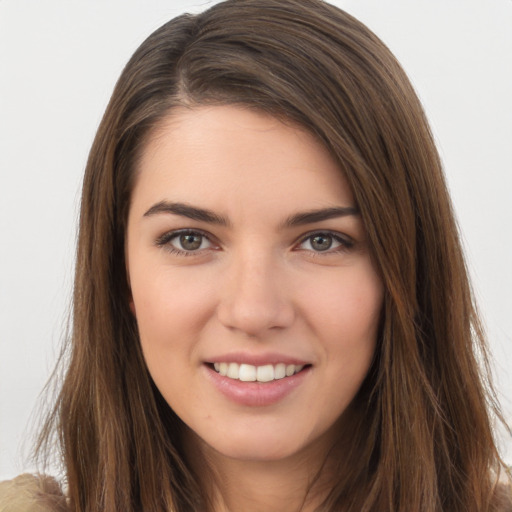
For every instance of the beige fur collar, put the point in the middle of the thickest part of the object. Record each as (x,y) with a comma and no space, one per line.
(29,493)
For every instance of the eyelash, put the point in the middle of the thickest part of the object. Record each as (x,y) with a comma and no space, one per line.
(345,242)
(164,241)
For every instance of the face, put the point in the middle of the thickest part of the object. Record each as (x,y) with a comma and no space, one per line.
(252,284)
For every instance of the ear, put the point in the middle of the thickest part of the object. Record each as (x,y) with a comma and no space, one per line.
(131,304)
(129,294)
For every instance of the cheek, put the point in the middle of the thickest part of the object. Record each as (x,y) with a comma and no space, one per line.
(347,307)
(165,310)
(171,310)
(345,317)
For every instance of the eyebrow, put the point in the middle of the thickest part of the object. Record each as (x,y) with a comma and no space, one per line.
(312,216)
(205,215)
(186,210)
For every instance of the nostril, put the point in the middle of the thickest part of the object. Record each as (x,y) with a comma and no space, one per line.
(256,317)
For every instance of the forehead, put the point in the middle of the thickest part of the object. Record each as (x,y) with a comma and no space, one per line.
(228,156)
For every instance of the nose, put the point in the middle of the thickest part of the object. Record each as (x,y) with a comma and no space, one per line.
(254,298)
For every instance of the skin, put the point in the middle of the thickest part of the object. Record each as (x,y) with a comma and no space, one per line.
(256,286)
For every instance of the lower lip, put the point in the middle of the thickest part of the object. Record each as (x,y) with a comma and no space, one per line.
(256,394)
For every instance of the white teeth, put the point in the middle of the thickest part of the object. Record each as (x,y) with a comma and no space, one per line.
(280,371)
(233,371)
(250,373)
(247,373)
(265,373)
(223,369)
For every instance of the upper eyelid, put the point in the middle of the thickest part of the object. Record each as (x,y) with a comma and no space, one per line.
(335,234)
(173,233)
(346,243)
(169,235)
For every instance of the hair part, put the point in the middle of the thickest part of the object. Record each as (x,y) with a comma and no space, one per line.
(424,438)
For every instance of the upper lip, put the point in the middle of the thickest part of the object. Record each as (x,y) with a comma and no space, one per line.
(256,359)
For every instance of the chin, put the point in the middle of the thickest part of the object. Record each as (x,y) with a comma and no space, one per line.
(262,451)
(263,443)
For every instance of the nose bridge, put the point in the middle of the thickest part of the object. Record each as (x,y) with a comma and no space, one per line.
(253,298)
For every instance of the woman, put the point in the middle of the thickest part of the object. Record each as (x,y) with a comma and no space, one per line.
(271,307)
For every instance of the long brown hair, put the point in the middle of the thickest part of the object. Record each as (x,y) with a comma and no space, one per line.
(424,440)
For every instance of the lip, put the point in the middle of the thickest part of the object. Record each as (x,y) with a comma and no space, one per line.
(255,394)
(257,359)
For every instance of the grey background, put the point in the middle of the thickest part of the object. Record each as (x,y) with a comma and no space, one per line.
(59,60)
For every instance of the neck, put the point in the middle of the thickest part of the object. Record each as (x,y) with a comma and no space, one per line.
(289,485)
(298,483)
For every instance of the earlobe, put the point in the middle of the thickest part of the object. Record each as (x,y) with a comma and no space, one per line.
(129,297)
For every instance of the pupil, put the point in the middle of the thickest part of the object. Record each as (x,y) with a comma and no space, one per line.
(321,242)
(190,242)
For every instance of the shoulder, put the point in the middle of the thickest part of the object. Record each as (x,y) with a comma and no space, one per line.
(502,496)
(29,493)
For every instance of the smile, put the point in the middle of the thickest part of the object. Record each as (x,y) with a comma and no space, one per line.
(250,373)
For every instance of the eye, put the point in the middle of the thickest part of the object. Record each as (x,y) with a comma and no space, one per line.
(325,241)
(184,241)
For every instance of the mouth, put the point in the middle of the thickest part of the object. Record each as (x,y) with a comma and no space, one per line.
(251,373)
(261,384)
